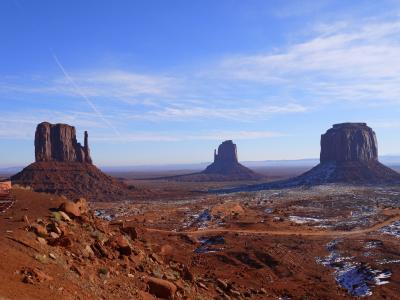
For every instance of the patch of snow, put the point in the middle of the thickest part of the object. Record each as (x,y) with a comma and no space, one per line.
(388,261)
(392,229)
(102,214)
(206,244)
(373,244)
(304,220)
(200,219)
(357,278)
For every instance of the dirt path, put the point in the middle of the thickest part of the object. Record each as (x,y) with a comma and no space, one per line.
(283,232)
(6,202)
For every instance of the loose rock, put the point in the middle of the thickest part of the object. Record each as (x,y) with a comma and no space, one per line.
(161,288)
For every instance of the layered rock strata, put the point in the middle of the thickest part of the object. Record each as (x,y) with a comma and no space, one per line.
(349,142)
(57,142)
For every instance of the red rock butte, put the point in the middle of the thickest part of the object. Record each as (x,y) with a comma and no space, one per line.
(64,167)
(226,164)
(57,142)
(226,167)
(349,154)
(349,142)
(225,159)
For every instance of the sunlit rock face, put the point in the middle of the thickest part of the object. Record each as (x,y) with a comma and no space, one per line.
(57,142)
(64,167)
(349,142)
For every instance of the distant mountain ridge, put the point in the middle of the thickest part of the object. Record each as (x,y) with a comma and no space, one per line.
(390,160)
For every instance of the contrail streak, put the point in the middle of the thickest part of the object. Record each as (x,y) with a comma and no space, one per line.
(79,91)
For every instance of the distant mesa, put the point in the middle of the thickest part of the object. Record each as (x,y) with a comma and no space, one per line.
(64,167)
(226,167)
(224,160)
(349,154)
(226,163)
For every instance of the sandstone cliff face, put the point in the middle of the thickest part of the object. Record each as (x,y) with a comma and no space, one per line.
(349,142)
(57,142)
(64,167)
(227,153)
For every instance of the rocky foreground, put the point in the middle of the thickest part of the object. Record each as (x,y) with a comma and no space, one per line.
(75,255)
(56,248)
(265,245)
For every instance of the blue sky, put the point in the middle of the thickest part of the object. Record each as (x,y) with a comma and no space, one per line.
(157,82)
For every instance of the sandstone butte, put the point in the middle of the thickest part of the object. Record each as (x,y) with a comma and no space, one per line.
(349,142)
(226,163)
(63,166)
(225,167)
(349,154)
(57,142)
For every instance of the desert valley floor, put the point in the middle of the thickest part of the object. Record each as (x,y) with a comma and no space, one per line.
(323,242)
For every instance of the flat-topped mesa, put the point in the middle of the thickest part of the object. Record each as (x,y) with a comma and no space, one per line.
(57,142)
(227,152)
(349,142)
(349,154)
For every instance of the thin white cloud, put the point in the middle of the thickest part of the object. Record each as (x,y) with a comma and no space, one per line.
(343,62)
(22,124)
(177,104)
(112,84)
(387,124)
(150,136)
(83,95)
(120,84)
(185,113)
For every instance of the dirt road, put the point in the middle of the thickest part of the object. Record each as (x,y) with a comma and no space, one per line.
(283,232)
(6,202)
